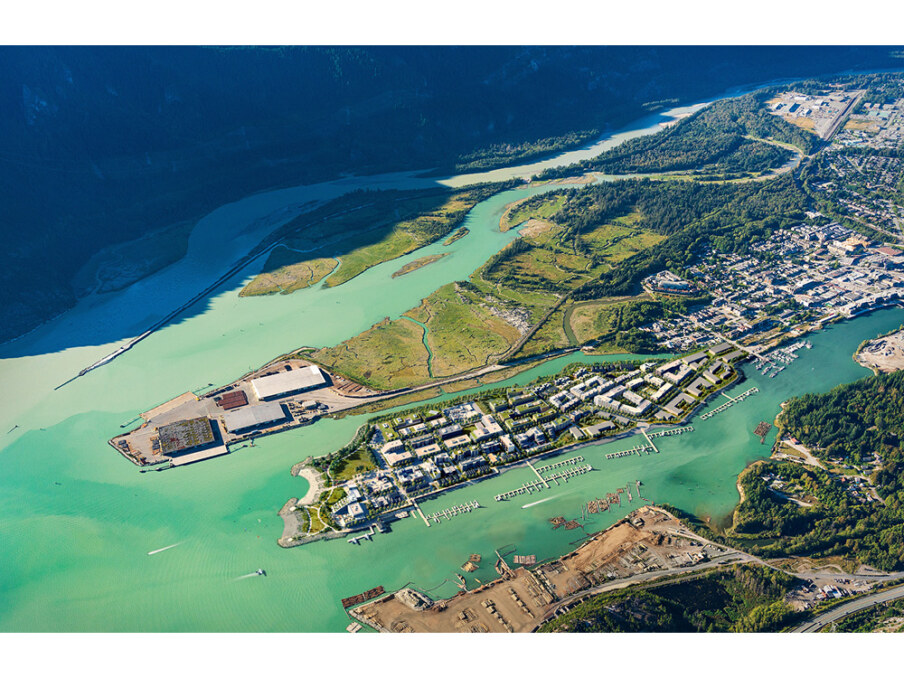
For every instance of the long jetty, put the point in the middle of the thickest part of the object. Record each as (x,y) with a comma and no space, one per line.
(242,263)
(537,485)
(731,402)
(655,449)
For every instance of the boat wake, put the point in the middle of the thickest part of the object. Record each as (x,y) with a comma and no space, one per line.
(258,573)
(534,503)
(165,548)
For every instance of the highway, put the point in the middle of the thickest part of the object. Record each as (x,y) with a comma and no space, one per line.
(842,611)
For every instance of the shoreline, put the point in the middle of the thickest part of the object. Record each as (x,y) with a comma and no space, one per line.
(315,482)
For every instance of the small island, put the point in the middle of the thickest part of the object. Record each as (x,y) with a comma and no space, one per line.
(418,263)
(458,235)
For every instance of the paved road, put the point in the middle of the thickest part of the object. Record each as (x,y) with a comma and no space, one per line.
(850,608)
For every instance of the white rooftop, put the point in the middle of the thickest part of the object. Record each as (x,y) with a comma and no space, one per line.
(288,382)
(246,417)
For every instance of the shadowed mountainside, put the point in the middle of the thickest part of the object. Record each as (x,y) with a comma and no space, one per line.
(101,146)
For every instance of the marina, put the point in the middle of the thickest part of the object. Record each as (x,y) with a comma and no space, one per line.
(777,360)
(453,511)
(574,460)
(638,450)
(671,432)
(537,485)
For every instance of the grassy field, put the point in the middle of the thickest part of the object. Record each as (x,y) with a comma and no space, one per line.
(616,241)
(360,232)
(551,335)
(360,461)
(862,125)
(553,257)
(463,332)
(591,320)
(541,268)
(290,277)
(518,213)
(391,354)
(418,263)
(467,328)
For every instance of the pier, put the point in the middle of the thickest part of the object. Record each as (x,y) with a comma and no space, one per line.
(558,464)
(731,402)
(457,510)
(634,450)
(415,506)
(367,535)
(537,485)
(531,467)
(644,431)
(670,432)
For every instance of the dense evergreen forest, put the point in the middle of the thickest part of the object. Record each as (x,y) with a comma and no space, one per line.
(101,145)
(742,598)
(849,423)
(852,420)
(719,138)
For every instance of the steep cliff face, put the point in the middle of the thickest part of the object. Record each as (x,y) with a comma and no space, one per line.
(102,145)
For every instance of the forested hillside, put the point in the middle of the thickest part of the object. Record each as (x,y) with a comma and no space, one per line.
(828,519)
(102,145)
(851,420)
(722,138)
(743,598)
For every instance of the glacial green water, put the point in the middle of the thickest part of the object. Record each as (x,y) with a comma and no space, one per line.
(77,521)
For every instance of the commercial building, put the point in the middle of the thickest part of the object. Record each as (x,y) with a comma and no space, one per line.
(285,383)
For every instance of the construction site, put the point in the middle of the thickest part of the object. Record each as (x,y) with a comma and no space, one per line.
(647,544)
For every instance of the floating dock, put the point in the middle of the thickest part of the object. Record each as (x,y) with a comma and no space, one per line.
(634,450)
(537,485)
(558,464)
(367,535)
(762,430)
(453,511)
(671,432)
(731,402)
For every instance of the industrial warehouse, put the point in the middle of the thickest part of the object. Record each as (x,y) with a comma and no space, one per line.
(253,417)
(191,427)
(288,382)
